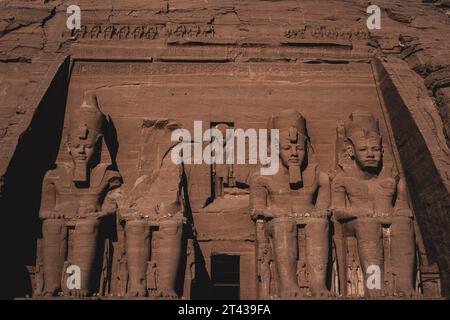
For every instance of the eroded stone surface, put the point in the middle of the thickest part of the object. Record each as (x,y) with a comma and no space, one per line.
(223,62)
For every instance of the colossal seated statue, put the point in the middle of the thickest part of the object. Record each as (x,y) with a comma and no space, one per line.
(368,196)
(155,204)
(78,196)
(296,197)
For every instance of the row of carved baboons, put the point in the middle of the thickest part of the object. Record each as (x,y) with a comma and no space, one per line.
(361,197)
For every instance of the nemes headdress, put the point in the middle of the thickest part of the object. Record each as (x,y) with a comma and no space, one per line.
(362,124)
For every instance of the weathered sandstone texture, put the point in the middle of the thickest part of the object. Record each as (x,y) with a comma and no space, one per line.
(86,178)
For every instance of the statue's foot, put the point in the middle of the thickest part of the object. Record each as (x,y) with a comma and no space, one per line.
(322,293)
(48,293)
(136,293)
(291,293)
(79,294)
(376,294)
(167,293)
(407,294)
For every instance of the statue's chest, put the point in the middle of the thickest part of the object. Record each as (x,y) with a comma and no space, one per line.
(71,191)
(281,191)
(70,199)
(370,190)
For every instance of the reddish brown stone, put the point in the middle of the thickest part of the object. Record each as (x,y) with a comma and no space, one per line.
(230,64)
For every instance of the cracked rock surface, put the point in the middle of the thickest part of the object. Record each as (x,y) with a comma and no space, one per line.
(34,40)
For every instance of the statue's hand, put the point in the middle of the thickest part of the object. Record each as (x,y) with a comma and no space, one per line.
(343,214)
(44,215)
(262,213)
(131,216)
(405,212)
(168,209)
(321,213)
(83,215)
(267,213)
(94,215)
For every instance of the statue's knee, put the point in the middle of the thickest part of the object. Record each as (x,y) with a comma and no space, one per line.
(401,226)
(369,230)
(284,226)
(317,227)
(87,226)
(136,227)
(171,227)
(53,226)
(284,237)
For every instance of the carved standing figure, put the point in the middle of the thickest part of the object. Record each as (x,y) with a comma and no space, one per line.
(79,194)
(298,189)
(366,195)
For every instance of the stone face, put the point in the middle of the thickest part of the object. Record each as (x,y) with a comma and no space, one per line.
(173,231)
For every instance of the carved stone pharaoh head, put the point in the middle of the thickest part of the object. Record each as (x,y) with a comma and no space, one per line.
(85,136)
(293,143)
(363,140)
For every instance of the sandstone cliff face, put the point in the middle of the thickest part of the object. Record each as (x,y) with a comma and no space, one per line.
(33,34)
(34,43)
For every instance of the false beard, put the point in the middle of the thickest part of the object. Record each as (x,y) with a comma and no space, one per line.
(80,174)
(295,177)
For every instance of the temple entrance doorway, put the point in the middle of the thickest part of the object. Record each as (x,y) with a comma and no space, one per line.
(225,277)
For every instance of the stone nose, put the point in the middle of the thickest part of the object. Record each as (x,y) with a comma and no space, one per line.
(294,151)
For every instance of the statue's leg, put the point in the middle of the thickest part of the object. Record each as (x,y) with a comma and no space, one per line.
(370,248)
(403,255)
(317,251)
(169,256)
(285,246)
(85,251)
(54,253)
(137,243)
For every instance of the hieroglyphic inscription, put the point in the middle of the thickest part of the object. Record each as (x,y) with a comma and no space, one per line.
(144,32)
(327,33)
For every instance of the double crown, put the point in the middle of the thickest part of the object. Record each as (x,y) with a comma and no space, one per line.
(87,121)
(362,124)
(290,120)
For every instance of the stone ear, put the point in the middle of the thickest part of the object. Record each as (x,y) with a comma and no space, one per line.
(349,147)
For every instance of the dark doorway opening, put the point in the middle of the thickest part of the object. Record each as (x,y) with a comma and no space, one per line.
(225,276)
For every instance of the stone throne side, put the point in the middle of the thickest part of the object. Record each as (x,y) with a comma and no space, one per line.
(349,276)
